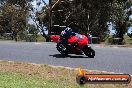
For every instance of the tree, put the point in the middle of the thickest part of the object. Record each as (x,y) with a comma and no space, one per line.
(43,19)
(84,16)
(14,16)
(120,17)
(30,33)
(90,16)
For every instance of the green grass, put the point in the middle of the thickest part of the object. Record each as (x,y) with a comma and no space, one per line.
(17,80)
(128,40)
(40,38)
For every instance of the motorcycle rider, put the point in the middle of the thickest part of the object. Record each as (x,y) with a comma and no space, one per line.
(65,35)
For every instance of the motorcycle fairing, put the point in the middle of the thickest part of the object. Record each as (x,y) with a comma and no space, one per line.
(82,40)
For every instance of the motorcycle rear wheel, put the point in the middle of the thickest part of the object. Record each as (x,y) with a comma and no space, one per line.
(62,49)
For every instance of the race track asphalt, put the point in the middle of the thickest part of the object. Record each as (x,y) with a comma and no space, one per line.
(111,59)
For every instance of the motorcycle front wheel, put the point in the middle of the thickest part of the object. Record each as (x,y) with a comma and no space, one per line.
(88,51)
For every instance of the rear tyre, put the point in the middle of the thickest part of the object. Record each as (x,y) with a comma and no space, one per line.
(88,51)
(62,49)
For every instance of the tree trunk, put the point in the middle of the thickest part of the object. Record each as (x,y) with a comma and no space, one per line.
(121,30)
(121,36)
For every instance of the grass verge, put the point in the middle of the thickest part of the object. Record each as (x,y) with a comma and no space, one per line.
(24,75)
(128,40)
(40,38)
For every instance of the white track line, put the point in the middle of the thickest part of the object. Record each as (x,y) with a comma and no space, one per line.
(115,47)
(37,43)
(96,46)
(100,46)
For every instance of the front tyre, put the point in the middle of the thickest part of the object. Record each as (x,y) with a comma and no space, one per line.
(88,51)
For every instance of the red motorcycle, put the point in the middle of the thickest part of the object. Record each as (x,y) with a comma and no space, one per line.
(77,44)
